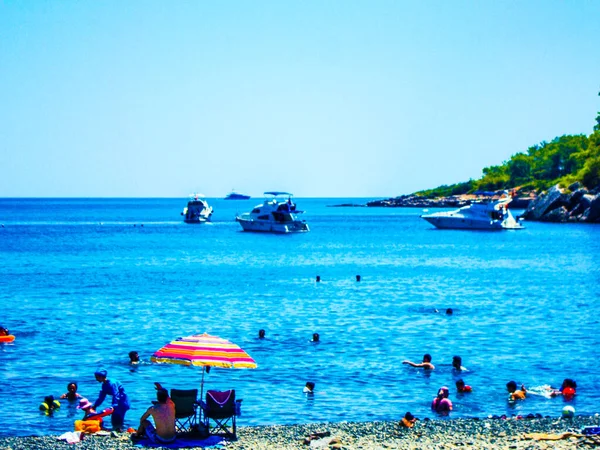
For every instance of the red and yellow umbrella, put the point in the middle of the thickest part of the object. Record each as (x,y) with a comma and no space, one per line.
(204,350)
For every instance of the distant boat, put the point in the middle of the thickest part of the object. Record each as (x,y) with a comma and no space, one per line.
(490,215)
(197,210)
(236,196)
(275,215)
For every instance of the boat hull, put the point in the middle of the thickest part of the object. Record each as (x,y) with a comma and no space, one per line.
(457,223)
(237,197)
(272,227)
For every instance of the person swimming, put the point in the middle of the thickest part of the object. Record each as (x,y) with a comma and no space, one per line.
(134,357)
(49,405)
(4,331)
(309,388)
(71,393)
(567,389)
(457,364)
(315,337)
(462,387)
(426,364)
(514,393)
(261,334)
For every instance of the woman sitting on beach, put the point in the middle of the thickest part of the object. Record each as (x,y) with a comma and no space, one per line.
(442,403)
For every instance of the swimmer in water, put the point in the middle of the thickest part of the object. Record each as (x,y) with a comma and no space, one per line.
(426,364)
(134,357)
(4,331)
(462,387)
(514,393)
(457,364)
(309,388)
(261,334)
(567,390)
(315,337)
(49,405)
(71,393)
(441,403)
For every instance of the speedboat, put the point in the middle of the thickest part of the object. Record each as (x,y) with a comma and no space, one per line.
(236,196)
(274,215)
(197,210)
(490,215)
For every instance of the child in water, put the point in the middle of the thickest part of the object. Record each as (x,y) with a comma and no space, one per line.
(71,393)
(567,390)
(462,387)
(514,393)
(49,405)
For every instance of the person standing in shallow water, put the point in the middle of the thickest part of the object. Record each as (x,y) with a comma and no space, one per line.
(120,401)
(71,393)
(426,364)
(442,403)
(457,364)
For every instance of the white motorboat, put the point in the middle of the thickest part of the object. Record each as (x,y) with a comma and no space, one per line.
(274,215)
(491,215)
(197,210)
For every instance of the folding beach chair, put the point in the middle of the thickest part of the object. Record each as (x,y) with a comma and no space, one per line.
(185,409)
(221,409)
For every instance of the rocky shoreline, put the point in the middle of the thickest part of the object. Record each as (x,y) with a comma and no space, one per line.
(574,204)
(489,433)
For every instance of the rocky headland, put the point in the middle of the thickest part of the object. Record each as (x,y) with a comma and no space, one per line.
(574,204)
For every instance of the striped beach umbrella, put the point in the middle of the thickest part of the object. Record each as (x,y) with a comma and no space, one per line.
(206,351)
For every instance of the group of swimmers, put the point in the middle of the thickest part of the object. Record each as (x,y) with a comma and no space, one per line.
(442,403)
(120,401)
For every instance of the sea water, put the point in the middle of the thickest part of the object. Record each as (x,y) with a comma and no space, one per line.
(85,281)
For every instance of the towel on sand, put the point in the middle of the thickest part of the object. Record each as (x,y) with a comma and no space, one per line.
(184,442)
(551,437)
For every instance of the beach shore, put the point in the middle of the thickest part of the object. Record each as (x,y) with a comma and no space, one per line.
(497,433)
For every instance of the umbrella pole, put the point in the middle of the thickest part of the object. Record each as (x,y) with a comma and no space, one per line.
(202,395)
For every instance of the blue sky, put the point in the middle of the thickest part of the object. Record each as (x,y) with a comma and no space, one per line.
(320,98)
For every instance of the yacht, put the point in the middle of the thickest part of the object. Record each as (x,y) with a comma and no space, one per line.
(236,196)
(197,210)
(484,215)
(274,215)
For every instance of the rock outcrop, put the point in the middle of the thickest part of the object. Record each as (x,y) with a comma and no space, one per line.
(557,206)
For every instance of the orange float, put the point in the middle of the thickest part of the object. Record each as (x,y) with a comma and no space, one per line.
(8,338)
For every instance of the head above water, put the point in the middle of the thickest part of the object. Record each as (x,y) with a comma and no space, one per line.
(72,387)
(511,386)
(134,356)
(460,384)
(457,362)
(449,311)
(427,357)
(261,333)
(310,386)
(443,392)
(315,337)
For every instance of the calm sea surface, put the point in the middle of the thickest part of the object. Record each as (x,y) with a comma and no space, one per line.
(85,281)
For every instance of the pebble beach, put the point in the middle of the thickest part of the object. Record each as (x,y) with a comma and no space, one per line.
(496,433)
